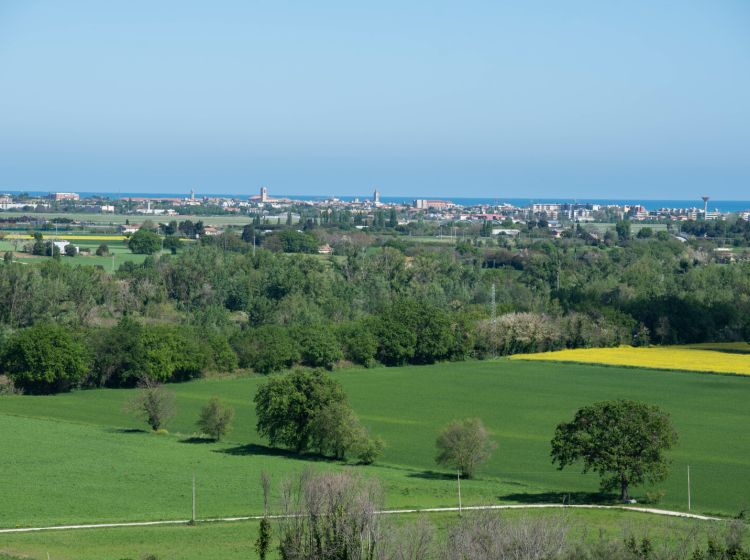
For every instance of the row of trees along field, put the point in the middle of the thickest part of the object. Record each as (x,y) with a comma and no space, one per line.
(226,303)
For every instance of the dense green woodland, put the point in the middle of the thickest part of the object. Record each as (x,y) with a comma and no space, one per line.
(225,303)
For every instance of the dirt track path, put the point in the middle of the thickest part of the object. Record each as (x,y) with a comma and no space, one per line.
(652,511)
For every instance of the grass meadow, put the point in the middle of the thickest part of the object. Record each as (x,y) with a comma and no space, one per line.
(235,541)
(733,357)
(118,219)
(118,251)
(78,457)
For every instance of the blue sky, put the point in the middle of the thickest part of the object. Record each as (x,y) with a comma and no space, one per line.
(504,99)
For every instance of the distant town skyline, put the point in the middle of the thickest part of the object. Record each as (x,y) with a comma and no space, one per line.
(549,100)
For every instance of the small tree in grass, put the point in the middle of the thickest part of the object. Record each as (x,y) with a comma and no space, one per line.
(216,419)
(624,441)
(153,403)
(263,543)
(102,250)
(464,445)
(337,432)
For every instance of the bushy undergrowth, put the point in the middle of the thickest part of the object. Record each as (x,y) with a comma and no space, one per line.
(333,516)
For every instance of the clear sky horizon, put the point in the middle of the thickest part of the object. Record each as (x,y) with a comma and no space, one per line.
(533,98)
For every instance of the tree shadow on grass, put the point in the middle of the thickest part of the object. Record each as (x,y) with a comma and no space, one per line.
(255,449)
(433,475)
(567,498)
(195,439)
(128,431)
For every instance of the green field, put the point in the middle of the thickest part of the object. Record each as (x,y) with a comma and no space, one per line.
(117,249)
(79,458)
(235,541)
(118,219)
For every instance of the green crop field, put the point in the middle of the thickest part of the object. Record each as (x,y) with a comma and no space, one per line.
(79,458)
(117,219)
(117,249)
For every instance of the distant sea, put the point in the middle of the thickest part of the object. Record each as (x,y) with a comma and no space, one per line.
(650,204)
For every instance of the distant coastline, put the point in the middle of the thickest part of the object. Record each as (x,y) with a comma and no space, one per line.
(651,204)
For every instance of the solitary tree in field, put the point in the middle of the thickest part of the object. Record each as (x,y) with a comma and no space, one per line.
(153,403)
(464,445)
(144,241)
(624,441)
(216,419)
(308,410)
(287,405)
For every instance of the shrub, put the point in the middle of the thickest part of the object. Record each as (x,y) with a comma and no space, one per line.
(334,430)
(7,387)
(330,516)
(263,543)
(216,419)
(369,449)
(655,496)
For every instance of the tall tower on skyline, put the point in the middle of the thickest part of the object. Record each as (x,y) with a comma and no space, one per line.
(264,194)
(376,197)
(705,206)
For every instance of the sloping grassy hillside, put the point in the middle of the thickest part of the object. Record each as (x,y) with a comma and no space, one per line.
(76,457)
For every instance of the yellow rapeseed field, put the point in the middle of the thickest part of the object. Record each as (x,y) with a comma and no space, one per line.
(713,357)
(71,237)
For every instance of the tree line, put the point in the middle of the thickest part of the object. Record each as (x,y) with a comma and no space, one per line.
(227,303)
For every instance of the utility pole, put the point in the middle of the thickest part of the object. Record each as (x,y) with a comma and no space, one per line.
(458,477)
(192,519)
(688,482)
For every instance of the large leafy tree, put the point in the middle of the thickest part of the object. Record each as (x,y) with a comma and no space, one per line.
(145,242)
(287,405)
(292,241)
(131,352)
(267,349)
(45,358)
(622,440)
(318,346)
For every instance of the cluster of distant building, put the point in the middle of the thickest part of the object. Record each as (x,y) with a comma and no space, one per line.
(552,213)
